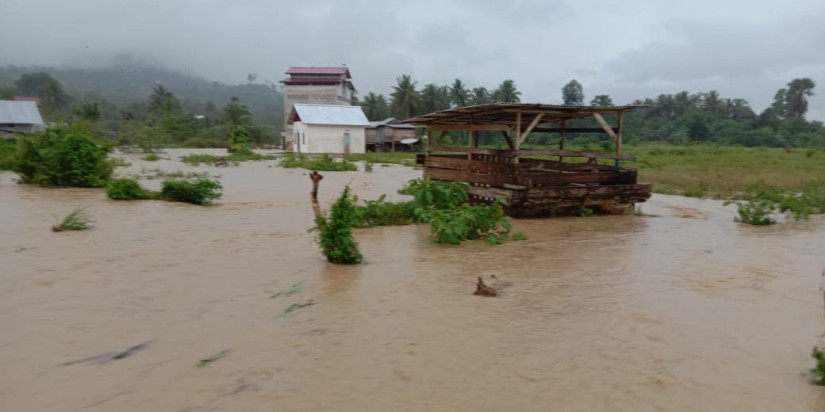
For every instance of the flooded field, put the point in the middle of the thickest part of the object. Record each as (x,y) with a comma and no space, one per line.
(680,311)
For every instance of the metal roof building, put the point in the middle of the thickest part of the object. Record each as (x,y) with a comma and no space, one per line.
(328,114)
(17,116)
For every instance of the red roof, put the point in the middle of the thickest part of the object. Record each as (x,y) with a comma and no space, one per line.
(318,70)
(27,99)
(309,79)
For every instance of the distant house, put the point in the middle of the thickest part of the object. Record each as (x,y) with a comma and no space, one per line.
(316,85)
(390,134)
(320,128)
(19,117)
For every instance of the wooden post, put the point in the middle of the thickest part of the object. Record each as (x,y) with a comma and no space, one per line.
(473,143)
(517,142)
(316,208)
(561,143)
(619,141)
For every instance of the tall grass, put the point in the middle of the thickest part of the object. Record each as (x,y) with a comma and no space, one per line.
(319,163)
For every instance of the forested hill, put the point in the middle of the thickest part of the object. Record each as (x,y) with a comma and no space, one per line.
(130,87)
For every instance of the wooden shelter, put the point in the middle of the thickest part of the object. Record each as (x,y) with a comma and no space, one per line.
(534,181)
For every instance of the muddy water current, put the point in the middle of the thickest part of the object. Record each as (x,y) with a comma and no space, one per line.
(677,310)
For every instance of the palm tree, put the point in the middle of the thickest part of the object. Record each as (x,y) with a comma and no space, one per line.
(375,106)
(507,93)
(433,98)
(163,102)
(479,96)
(404,96)
(459,95)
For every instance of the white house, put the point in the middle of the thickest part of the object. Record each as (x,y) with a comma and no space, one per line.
(320,128)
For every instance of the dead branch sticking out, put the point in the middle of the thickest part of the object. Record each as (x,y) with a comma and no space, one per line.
(316,177)
(484,290)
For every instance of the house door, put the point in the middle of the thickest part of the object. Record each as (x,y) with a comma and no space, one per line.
(346,142)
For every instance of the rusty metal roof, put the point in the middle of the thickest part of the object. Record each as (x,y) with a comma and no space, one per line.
(504,114)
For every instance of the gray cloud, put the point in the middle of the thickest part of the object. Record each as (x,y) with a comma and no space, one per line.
(631,49)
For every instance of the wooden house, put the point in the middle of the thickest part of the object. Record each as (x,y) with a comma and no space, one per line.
(391,135)
(534,181)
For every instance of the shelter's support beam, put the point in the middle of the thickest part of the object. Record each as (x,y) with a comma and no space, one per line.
(571,130)
(561,142)
(518,130)
(530,128)
(619,142)
(471,127)
(605,126)
(508,140)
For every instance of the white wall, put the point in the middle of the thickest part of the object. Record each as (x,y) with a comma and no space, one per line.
(328,139)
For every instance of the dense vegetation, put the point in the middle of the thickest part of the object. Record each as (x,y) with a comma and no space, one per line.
(760,204)
(66,155)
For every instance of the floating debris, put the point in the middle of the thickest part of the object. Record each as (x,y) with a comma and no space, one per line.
(213,358)
(110,356)
(291,291)
(484,290)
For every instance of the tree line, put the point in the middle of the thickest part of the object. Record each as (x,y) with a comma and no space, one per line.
(680,118)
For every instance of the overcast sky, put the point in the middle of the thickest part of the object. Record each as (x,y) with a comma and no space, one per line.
(629,49)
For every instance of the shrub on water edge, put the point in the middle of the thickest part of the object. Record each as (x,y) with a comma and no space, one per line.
(127,189)
(335,237)
(66,155)
(198,158)
(197,190)
(761,203)
(151,157)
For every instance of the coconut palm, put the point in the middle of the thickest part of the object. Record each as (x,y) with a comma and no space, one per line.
(375,106)
(459,96)
(507,92)
(404,97)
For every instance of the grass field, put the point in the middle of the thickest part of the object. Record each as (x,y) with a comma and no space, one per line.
(699,170)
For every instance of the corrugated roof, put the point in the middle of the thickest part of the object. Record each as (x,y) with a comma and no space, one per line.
(328,114)
(318,70)
(12,112)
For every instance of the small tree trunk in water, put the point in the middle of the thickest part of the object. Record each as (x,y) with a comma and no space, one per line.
(316,177)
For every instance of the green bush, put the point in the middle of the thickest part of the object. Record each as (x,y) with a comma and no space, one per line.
(198,158)
(336,240)
(65,155)
(127,189)
(8,153)
(240,137)
(198,190)
(151,157)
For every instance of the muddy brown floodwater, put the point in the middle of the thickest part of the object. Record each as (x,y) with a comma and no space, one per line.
(684,311)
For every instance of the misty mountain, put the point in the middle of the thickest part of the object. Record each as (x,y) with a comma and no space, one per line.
(127,86)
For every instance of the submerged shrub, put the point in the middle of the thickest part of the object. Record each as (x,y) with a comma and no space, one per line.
(819,370)
(336,240)
(78,219)
(761,203)
(321,163)
(8,153)
(66,155)
(127,189)
(196,189)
